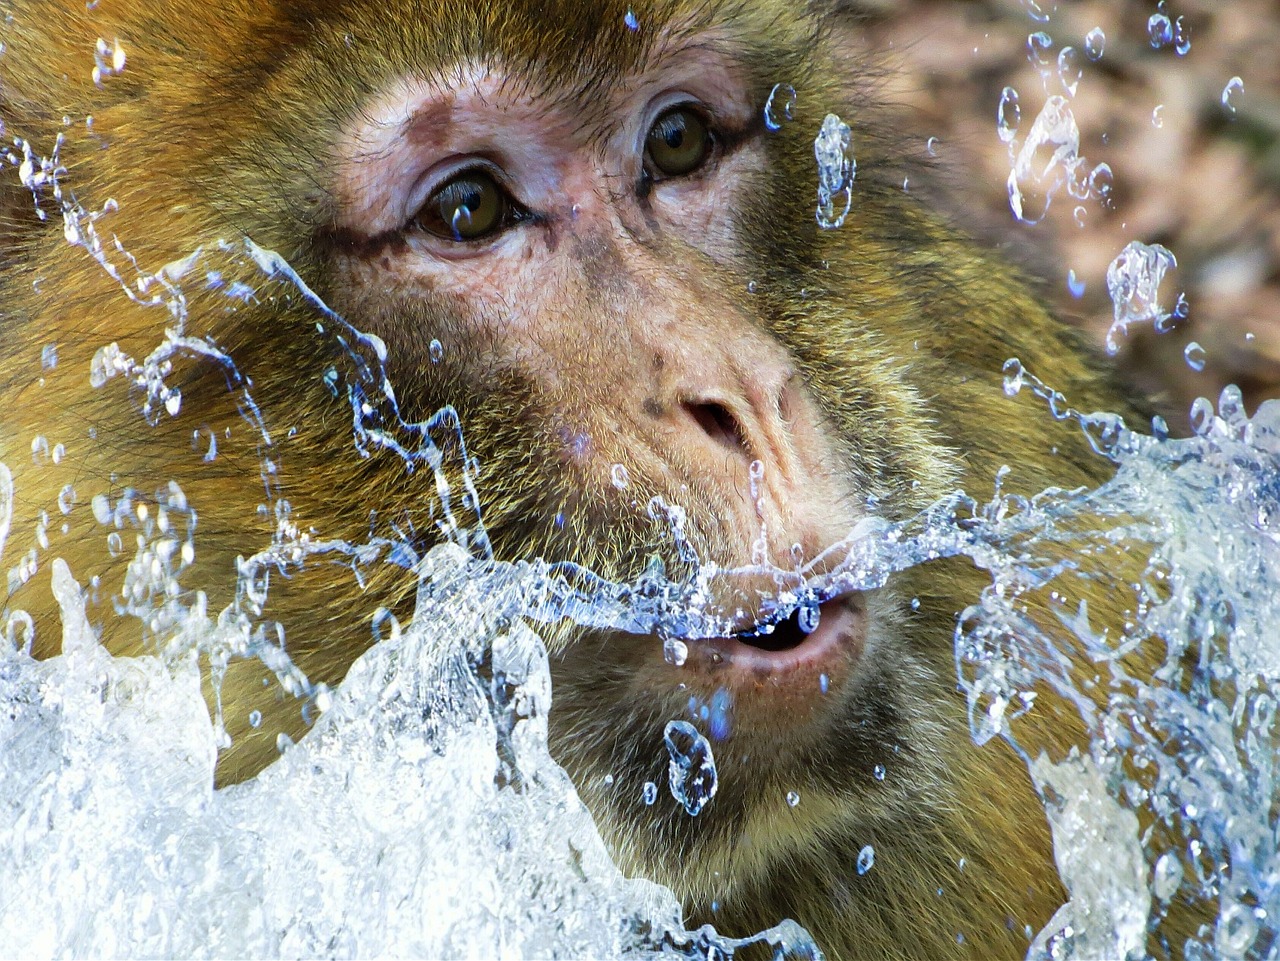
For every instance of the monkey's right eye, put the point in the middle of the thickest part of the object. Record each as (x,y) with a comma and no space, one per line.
(471,206)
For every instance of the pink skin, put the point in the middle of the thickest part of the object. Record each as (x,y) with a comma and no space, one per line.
(718,393)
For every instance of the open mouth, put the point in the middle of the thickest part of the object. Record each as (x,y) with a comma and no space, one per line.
(818,639)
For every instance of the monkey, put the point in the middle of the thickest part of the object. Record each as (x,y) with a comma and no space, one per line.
(572,224)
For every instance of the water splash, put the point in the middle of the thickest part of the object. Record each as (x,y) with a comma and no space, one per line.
(1133,281)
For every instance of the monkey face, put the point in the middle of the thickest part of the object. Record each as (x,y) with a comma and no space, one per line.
(594,272)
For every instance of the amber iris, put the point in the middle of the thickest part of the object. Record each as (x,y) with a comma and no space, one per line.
(678,143)
(471,206)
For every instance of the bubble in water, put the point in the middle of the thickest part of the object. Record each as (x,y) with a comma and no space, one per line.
(1008,115)
(436,351)
(649,792)
(1194,355)
(1095,44)
(1133,281)
(866,859)
(1159,30)
(778,108)
(632,22)
(621,477)
(1234,86)
(1070,70)
(692,769)
(837,169)
(1181,36)
(793,799)
(675,651)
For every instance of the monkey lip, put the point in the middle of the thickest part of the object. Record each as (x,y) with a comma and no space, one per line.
(836,639)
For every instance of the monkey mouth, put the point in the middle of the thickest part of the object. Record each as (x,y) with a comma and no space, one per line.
(820,640)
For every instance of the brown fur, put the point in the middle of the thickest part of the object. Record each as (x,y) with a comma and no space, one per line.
(225,123)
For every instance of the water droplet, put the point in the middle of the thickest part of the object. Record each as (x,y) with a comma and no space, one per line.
(878,772)
(255,719)
(915,601)
(1157,116)
(866,859)
(1167,876)
(1133,282)
(1195,356)
(808,614)
(436,351)
(792,798)
(1036,12)
(1038,46)
(1234,86)
(621,477)
(837,169)
(283,742)
(40,449)
(1008,115)
(1080,215)
(931,146)
(675,651)
(49,356)
(1159,30)
(778,108)
(114,544)
(1095,44)
(632,22)
(66,499)
(1070,70)
(823,683)
(1181,36)
(1044,162)
(1075,285)
(649,792)
(1101,181)
(1013,373)
(691,772)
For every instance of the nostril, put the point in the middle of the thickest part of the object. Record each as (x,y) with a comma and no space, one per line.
(718,423)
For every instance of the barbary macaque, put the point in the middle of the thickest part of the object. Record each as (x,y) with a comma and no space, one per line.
(573,222)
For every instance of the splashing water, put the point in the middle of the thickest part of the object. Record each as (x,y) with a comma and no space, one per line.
(1133,281)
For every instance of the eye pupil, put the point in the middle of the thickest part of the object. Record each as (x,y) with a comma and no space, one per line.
(678,143)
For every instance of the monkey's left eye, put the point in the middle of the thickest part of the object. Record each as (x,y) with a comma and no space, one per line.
(679,142)
(471,206)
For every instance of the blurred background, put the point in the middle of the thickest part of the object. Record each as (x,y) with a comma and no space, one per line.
(1189,171)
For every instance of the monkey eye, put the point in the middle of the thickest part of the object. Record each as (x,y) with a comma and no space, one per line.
(678,143)
(471,206)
